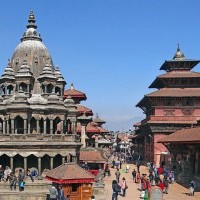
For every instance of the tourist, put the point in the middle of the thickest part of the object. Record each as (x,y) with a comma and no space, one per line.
(117,174)
(21,180)
(124,187)
(7,173)
(53,192)
(30,175)
(116,189)
(166,185)
(192,187)
(127,168)
(61,195)
(113,164)
(1,172)
(151,177)
(134,175)
(13,181)
(138,166)
(161,177)
(120,163)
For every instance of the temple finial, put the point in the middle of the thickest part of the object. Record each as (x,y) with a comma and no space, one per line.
(72,86)
(178,55)
(31,20)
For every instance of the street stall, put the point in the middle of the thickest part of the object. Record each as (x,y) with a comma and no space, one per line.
(76,181)
(93,161)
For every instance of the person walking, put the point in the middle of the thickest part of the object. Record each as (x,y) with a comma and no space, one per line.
(53,192)
(166,185)
(124,187)
(116,189)
(192,188)
(127,168)
(117,174)
(61,195)
(21,180)
(134,175)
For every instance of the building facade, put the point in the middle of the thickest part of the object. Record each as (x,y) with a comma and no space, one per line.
(173,106)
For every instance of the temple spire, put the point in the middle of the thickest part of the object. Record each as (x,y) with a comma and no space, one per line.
(178,55)
(31,21)
(31,33)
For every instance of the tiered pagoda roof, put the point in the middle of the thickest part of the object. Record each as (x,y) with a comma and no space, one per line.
(179,81)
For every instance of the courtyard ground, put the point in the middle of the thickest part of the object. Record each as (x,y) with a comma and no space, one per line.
(176,191)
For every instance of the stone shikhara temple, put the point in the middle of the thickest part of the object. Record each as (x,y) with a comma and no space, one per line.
(37,124)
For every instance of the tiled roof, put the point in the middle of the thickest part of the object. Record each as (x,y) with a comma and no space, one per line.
(69,172)
(92,128)
(176,92)
(82,109)
(92,156)
(98,120)
(180,74)
(75,94)
(187,135)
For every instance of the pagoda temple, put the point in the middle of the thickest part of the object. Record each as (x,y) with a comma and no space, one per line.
(175,105)
(92,133)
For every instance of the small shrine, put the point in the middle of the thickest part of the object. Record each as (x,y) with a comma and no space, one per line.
(76,181)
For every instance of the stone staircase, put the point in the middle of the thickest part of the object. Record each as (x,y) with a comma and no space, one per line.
(37,190)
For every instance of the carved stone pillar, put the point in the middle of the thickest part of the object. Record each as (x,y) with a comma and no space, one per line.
(25,126)
(39,166)
(38,126)
(29,126)
(4,126)
(28,88)
(8,129)
(51,164)
(45,89)
(25,164)
(63,160)
(11,163)
(51,126)
(45,126)
(12,126)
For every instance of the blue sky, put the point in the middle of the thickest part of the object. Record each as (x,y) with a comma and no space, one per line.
(110,49)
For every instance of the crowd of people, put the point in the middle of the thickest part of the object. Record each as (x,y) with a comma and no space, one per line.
(16,179)
(160,176)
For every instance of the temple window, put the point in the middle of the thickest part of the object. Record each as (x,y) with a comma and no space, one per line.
(169,112)
(43,89)
(58,91)
(23,87)
(10,89)
(49,88)
(19,125)
(186,112)
(33,125)
(57,125)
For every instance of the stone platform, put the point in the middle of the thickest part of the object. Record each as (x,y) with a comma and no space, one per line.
(37,190)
